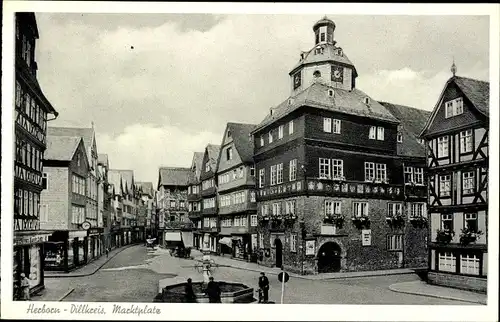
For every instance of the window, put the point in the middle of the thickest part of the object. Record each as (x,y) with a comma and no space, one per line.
(270,137)
(292,170)
(468,182)
(252,196)
(466,141)
(253,220)
(237,221)
(394,209)
(280,173)
(333,208)
(290,207)
(454,107)
(327,125)
(408,174)
(369,171)
(252,171)
(373,133)
(276,209)
(229,153)
(442,147)
(261,178)
(45,180)
(400,137)
(444,186)
(324,168)
(380,133)
(360,209)
(273,175)
(417,210)
(265,210)
(280,132)
(213,222)
(206,222)
(172,203)
(447,222)
(293,242)
(395,242)
(261,240)
(78,185)
(337,168)
(207,166)
(381,173)
(208,203)
(469,264)
(19,94)
(336,126)
(447,262)
(182,204)
(290,127)
(419,175)
(261,140)
(470,222)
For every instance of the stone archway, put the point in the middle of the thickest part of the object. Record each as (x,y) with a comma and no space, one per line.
(279,252)
(329,258)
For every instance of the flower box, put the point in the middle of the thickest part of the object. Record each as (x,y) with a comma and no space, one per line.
(468,236)
(444,236)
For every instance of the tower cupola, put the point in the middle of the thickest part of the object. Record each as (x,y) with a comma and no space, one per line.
(323,31)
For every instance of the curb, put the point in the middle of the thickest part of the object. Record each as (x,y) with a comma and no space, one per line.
(66,294)
(92,273)
(392,288)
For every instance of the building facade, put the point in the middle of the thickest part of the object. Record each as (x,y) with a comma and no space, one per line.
(210,220)
(95,231)
(236,197)
(147,196)
(104,200)
(456,136)
(172,204)
(32,112)
(330,174)
(194,198)
(63,204)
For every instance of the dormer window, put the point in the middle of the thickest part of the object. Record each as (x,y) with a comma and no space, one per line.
(400,137)
(228,134)
(454,107)
(317,74)
(366,100)
(330,92)
(323,36)
(270,137)
(207,166)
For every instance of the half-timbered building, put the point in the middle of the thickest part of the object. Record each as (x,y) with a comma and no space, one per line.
(330,172)
(194,198)
(456,136)
(32,112)
(237,204)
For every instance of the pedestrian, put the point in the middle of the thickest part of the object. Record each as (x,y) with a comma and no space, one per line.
(189,292)
(264,287)
(25,288)
(213,291)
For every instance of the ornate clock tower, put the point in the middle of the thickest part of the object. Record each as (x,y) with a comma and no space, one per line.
(325,62)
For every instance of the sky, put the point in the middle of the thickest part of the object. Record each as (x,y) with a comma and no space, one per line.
(159,87)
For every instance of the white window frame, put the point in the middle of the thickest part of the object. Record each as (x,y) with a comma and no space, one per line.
(369,171)
(229,153)
(290,207)
(399,137)
(253,220)
(261,240)
(408,171)
(395,242)
(380,172)
(273,175)
(337,168)
(207,166)
(445,185)
(380,133)
(324,168)
(270,136)
(470,217)
(443,146)
(469,182)
(280,132)
(466,142)
(279,170)
(276,209)
(448,109)
(418,176)
(336,126)
(459,105)
(417,209)
(469,264)
(445,218)
(293,242)
(360,209)
(290,127)
(261,140)
(327,125)
(394,208)
(333,207)
(372,134)
(447,262)
(292,170)
(262,174)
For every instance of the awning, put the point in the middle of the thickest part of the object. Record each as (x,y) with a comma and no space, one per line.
(237,238)
(226,241)
(187,238)
(174,236)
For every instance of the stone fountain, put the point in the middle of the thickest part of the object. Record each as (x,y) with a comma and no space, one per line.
(172,290)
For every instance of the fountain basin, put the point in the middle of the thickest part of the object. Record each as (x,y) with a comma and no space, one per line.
(173,292)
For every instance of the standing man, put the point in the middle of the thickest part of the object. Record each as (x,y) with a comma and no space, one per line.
(264,286)
(25,288)
(213,291)
(189,292)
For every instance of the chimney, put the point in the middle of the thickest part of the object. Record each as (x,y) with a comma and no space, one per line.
(271,111)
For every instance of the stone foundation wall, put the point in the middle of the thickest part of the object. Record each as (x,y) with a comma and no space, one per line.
(468,283)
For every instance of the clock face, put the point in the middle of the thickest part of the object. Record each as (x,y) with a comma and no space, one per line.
(86,225)
(337,73)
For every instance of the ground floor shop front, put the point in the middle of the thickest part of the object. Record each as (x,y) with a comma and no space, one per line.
(28,259)
(239,246)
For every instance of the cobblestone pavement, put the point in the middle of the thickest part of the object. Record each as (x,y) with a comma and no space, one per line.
(133,275)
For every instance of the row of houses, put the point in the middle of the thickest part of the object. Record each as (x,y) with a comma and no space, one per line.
(69,206)
(333,180)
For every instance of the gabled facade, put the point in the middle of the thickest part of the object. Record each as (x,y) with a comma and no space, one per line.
(209,225)
(32,112)
(63,204)
(147,194)
(104,199)
(330,175)
(172,202)
(456,137)
(236,197)
(194,198)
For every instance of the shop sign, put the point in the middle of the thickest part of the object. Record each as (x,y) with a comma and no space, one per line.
(95,231)
(310,247)
(28,240)
(366,235)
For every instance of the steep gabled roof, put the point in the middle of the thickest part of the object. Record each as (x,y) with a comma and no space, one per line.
(122,180)
(196,164)
(173,176)
(476,91)
(242,138)
(146,188)
(213,155)
(412,121)
(87,134)
(343,101)
(61,148)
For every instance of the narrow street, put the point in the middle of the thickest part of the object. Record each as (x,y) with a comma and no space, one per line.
(133,275)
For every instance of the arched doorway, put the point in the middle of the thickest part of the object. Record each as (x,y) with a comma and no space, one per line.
(279,252)
(329,258)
